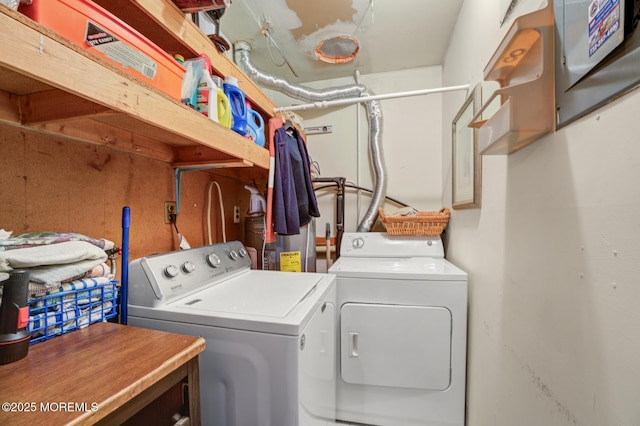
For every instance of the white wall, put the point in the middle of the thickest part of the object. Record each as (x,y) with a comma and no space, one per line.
(553,258)
(412,135)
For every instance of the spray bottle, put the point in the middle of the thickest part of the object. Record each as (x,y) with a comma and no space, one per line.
(257,205)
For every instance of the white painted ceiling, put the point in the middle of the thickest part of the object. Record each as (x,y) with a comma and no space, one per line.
(392,34)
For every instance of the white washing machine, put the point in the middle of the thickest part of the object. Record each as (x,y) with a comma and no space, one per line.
(270,355)
(403,332)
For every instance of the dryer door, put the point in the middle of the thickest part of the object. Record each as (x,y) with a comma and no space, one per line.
(396,345)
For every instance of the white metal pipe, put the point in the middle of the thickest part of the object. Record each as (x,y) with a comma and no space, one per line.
(349,101)
(358,192)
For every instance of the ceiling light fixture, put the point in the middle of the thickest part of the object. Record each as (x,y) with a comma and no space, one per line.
(338,49)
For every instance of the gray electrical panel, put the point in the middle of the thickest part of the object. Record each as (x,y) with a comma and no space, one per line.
(597,53)
(591,29)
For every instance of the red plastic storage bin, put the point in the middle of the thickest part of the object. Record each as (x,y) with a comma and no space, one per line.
(105,35)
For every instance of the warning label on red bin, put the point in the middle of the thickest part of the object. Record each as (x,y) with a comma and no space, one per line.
(119,52)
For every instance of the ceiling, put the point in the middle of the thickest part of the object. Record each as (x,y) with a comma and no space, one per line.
(392,34)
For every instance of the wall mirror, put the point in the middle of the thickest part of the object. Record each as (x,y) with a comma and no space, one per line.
(467,163)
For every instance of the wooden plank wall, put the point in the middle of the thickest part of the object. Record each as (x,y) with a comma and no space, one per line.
(51,184)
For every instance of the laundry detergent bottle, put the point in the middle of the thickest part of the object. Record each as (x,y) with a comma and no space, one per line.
(255,127)
(224,109)
(207,93)
(238,105)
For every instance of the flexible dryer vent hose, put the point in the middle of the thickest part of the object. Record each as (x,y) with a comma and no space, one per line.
(307,94)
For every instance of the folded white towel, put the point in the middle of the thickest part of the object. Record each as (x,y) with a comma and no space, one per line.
(55,262)
(403,211)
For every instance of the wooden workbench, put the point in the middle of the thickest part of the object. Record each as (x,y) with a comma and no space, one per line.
(105,373)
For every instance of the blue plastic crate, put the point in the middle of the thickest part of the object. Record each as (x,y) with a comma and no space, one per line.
(65,311)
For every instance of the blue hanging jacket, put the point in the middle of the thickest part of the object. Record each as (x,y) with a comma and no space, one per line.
(294,200)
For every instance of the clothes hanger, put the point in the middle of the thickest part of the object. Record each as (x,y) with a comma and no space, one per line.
(287,123)
(290,122)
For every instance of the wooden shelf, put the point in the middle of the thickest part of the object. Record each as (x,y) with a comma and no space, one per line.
(51,85)
(523,66)
(162,22)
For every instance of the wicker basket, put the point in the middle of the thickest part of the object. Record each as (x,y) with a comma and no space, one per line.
(422,223)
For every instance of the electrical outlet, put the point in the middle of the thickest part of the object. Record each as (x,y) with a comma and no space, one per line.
(236,214)
(169,209)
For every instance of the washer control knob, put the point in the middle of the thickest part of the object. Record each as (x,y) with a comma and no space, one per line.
(213,260)
(233,255)
(171,271)
(188,267)
(358,243)
(242,252)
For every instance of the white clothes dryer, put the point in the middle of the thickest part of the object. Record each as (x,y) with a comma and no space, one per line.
(402,332)
(270,336)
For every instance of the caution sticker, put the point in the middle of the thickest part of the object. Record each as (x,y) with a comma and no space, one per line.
(290,261)
(118,52)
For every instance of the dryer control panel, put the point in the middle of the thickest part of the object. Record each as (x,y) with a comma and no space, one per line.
(161,278)
(381,244)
